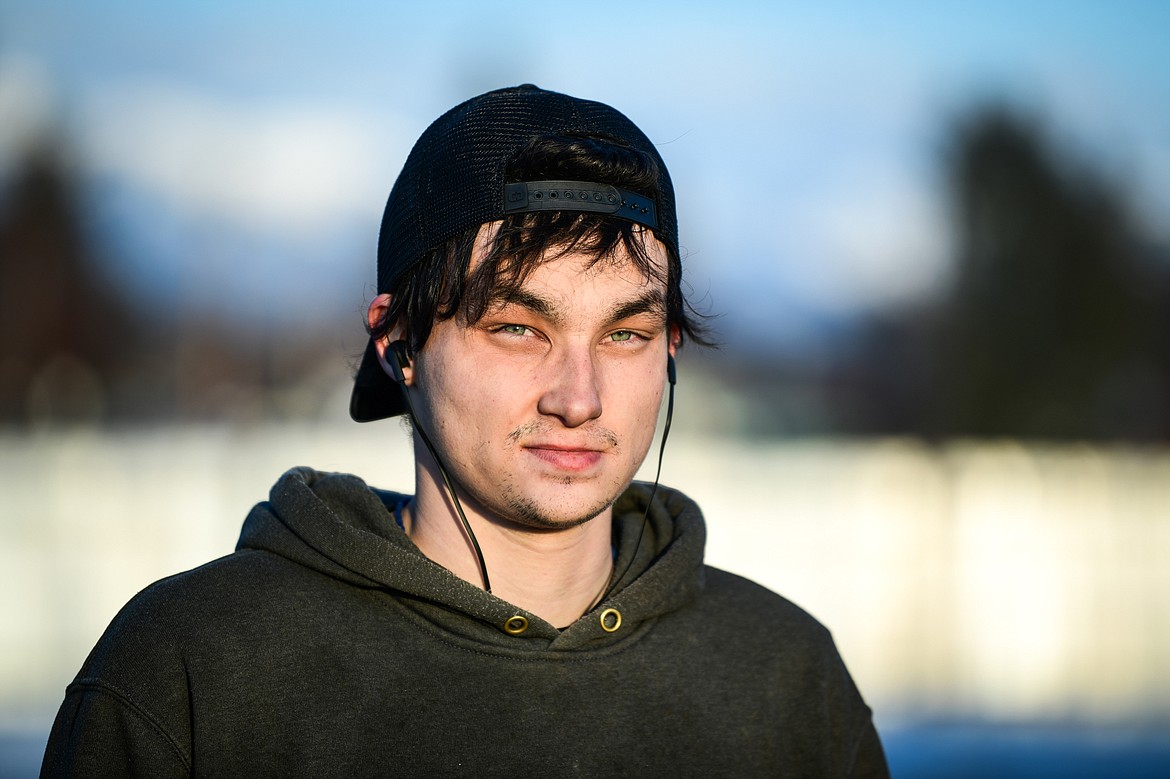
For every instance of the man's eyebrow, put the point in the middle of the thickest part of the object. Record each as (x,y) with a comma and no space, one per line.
(542,307)
(652,302)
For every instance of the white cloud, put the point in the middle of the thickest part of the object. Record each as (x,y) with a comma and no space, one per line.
(887,245)
(878,241)
(288,167)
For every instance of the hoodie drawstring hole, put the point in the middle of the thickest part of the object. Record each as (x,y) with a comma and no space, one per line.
(611,620)
(516,625)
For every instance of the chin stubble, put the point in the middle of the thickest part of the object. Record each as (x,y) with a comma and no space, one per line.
(526,511)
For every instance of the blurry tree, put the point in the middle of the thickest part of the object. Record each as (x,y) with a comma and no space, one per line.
(1056,327)
(64,335)
(74,349)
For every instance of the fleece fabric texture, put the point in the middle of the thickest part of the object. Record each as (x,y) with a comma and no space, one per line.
(328,645)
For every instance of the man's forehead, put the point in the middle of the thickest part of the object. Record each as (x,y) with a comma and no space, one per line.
(606,293)
(564,279)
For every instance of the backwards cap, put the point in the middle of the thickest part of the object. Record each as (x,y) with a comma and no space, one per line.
(453,181)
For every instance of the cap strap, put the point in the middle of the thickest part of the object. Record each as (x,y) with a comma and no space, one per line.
(579,196)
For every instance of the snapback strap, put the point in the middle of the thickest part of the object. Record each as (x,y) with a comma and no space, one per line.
(580,196)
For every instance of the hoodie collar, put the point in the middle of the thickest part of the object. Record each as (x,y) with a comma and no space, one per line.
(338,526)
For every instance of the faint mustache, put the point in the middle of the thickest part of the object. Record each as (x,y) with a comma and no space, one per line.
(596,435)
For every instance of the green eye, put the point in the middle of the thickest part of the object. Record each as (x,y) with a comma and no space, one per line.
(515,329)
(621,335)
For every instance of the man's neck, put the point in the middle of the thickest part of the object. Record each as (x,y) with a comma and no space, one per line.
(557,575)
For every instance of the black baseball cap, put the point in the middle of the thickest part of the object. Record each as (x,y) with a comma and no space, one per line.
(454,180)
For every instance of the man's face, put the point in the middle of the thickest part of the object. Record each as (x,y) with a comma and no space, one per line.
(544,409)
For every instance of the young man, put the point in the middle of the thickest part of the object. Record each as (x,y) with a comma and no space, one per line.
(529,610)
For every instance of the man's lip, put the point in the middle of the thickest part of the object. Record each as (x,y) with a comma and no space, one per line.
(563,447)
(565,458)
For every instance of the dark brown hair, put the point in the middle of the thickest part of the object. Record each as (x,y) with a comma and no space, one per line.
(440,287)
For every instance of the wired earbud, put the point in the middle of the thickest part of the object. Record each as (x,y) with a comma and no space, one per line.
(399,359)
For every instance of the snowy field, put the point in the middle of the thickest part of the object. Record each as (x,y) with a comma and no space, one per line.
(1025,588)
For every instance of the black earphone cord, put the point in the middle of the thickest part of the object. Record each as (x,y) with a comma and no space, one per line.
(398,349)
(401,359)
(613,582)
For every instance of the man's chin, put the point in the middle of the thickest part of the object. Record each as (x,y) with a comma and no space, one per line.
(550,514)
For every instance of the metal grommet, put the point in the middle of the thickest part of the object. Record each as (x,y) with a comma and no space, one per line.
(516,625)
(617,620)
(538,195)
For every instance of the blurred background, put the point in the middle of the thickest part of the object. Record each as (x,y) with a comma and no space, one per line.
(935,242)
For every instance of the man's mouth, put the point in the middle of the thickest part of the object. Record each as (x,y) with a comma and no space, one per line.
(565,458)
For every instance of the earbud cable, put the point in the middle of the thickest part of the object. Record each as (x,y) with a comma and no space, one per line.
(653,492)
(487,585)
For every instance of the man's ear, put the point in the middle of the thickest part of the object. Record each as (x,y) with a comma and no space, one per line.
(374,316)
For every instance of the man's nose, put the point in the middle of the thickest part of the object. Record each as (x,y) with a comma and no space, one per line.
(572,392)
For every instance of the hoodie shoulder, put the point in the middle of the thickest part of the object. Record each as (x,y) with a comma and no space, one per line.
(170,612)
(795,656)
(747,603)
(132,693)
(767,631)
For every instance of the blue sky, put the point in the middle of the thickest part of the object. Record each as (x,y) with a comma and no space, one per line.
(225,145)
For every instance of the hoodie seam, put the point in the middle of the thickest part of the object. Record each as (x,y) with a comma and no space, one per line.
(82,686)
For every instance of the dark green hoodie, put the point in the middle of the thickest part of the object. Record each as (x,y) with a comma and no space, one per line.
(328,645)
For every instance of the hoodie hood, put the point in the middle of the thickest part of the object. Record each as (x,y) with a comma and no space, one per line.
(339,527)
